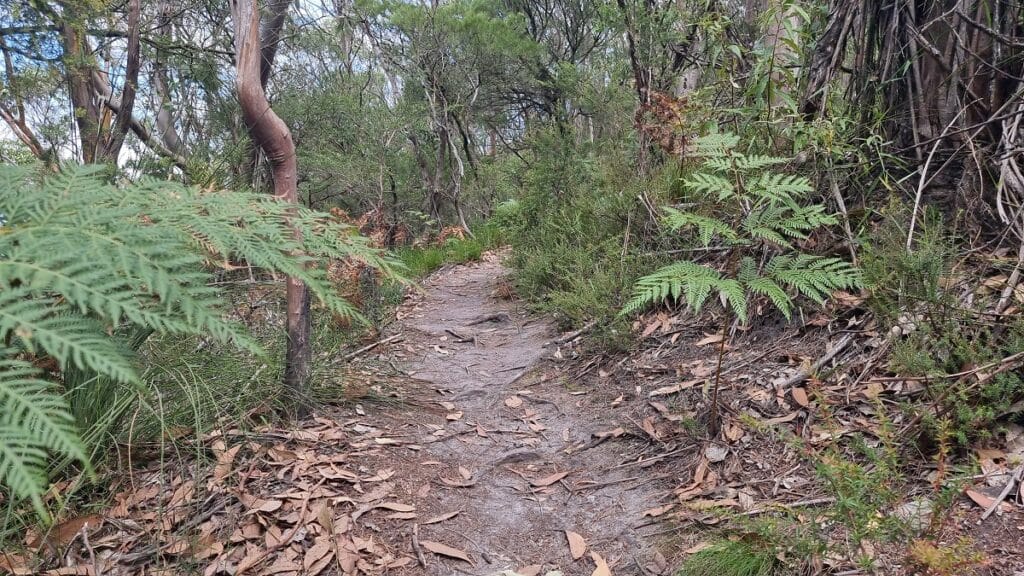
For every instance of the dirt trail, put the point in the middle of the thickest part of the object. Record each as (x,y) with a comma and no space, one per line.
(509,433)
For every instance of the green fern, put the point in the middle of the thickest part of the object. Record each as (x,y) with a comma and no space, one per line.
(754,211)
(83,259)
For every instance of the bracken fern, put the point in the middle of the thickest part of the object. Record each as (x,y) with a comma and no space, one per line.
(85,263)
(744,209)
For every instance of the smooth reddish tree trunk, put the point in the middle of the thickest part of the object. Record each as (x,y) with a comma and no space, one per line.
(271,134)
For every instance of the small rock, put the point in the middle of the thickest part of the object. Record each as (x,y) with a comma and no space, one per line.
(716,453)
(917,512)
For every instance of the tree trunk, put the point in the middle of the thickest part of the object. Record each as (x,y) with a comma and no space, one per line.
(271,134)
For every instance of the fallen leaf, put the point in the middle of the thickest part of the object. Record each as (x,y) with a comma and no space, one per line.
(666,390)
(63,533)
(782,419)
(456,483)
(465,473)
(445,550)
(225,459)
(986,501)
(442,517)
(396,506)
(709,339)
(658,511)
(513,401)
(454,416)
(264,506)
(577,545)
(14,564)
(531,570)
(317,557)
(602,568)
(800,396)
(548,480)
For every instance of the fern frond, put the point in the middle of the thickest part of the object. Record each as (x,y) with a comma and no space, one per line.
(710,185)
(815,277)
(86,262)
(781,188)
(707,227)
(688,280)
(714,145)
(35,422)
(764,286)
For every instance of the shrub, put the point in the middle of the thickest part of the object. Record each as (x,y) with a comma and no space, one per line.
(91,269)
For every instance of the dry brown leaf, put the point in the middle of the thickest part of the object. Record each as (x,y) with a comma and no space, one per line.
(82,570)
(800,397)
(986,501)
(782,419)
(648,426)
(64,532)
(548,480)
(513,401)
(318,557)
(454,416)
(445,550)
(666,390)
(225,459)
(709,339)
(401,516)
(14,564)
(577,545)
(658,511)
(531,570)
(261,505)
(442,517)
(456,483)
(601,568)
(397,506)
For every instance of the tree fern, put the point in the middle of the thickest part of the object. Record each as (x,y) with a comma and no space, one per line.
(749,210)
(82,259)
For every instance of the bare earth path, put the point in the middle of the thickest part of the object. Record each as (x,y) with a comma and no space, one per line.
(518,452)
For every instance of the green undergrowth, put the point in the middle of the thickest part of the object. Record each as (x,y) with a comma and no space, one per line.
(732,558)
(581,233)
(935,302)
(422,260)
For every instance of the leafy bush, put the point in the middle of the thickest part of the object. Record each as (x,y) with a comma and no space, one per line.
(752,215)
(580,236)
(90,269)
(934,325)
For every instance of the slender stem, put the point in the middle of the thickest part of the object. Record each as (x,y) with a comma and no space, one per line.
(714,418)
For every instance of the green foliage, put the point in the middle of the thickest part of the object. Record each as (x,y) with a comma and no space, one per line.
(732,558)
(579,236)
(91,269)
(917,296)
(421,261)
(753,216)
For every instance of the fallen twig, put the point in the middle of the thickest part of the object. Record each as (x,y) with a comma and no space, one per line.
(802,375)
(571,335)
(459,338)
(369,347)
(416,545)
(1014,479)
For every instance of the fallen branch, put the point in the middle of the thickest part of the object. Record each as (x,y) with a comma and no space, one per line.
(1014,479)
(802,375)
(369,347)
(459,338)
(416,545)
(572,335)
